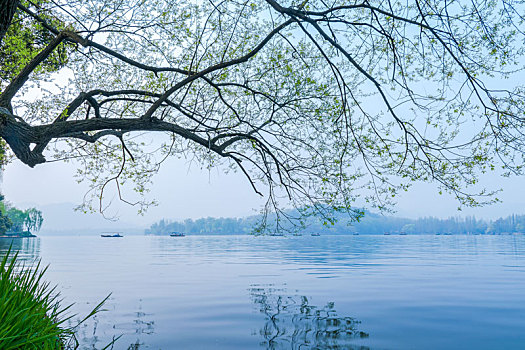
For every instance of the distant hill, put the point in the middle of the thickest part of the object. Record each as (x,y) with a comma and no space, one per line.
(372,223)
(62,219)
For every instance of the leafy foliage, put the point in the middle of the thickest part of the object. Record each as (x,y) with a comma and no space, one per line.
(25,220)
(24,39)
(370,224)
(5,222)
(320,105)
(31,316)
(16,220)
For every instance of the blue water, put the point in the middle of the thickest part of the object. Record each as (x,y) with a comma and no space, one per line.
(328,292)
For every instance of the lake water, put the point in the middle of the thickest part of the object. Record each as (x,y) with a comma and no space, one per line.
(328,292)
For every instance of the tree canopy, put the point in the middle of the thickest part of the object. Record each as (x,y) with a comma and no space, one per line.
(14,220)
(5,222)
(24,220)
(316,102)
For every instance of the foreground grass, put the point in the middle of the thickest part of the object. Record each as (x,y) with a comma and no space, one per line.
(31,316)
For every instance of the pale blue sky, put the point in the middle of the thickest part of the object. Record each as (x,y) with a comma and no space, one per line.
(184,192)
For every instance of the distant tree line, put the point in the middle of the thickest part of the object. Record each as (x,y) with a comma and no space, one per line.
(371,224)
(219,226)
(14,220)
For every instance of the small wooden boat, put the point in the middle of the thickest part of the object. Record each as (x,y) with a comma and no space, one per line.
(109,235)
(176,234)
(315,234)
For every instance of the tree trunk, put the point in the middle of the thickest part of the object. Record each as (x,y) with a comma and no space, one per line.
(20,136)
(7,11)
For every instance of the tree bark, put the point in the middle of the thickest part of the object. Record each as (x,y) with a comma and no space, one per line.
(19,136)
(7,11)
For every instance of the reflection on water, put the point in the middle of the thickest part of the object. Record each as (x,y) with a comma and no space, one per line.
(28,248)
(410,292)
(293,323)
(142,324)
(138,324)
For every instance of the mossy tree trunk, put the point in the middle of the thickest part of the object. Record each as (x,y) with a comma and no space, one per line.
(7,11)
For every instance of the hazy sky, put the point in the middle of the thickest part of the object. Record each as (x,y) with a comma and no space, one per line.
(184,192)
(180,193)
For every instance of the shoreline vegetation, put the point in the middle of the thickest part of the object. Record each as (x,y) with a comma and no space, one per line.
(20,234)
(31,314)
(16,223)
(370,224)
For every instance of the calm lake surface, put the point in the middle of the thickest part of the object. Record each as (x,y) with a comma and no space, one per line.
(328,292)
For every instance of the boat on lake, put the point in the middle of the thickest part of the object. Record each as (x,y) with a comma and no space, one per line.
(297,234)
(315,234)
(177,234)
(110,235)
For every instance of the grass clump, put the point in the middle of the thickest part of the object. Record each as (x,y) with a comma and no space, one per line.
(31,316)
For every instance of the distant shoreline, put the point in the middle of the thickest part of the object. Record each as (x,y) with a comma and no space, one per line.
(25,234)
